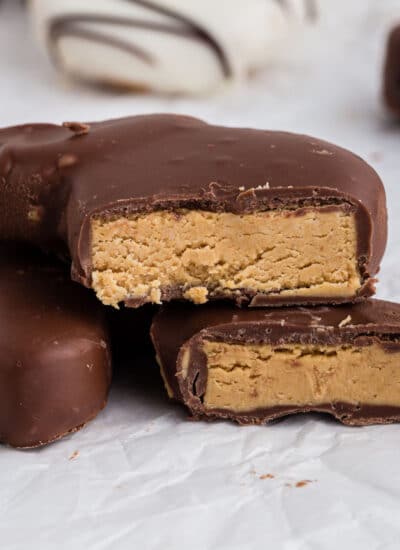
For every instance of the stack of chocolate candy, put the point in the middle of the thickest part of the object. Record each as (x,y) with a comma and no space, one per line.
(262,247)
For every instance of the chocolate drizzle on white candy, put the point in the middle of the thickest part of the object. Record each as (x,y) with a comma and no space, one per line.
(171,46)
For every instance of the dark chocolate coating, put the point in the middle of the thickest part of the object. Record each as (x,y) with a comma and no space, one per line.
(391,86)
(54,179)
(55,367)
(178,327)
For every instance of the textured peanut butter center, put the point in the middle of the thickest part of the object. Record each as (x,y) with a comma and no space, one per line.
(246,377)
(306,253)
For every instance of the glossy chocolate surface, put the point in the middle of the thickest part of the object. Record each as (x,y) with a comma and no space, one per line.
(178,327)
(55,367)
(55,179)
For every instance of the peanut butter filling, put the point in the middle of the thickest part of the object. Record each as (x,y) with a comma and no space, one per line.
(278,252)
(242,378)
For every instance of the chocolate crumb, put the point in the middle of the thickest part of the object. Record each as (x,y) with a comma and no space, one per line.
(74,455)
(303,482)
(78,128)
(267,476)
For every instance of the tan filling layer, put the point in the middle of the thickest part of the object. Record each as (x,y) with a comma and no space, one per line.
(247,377)
(279,252)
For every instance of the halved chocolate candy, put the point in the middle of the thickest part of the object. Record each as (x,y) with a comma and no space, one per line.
(253,365)
(154,208)
(55,368)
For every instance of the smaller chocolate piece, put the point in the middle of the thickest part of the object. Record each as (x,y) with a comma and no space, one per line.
(391,89)
(253,365)
(55,366)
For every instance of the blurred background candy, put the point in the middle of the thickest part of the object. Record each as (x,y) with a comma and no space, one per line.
(171,46)
(391,84)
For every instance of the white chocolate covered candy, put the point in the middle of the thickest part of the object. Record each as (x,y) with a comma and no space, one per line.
(172,46)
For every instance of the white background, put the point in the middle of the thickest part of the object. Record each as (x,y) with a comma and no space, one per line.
(144,477)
